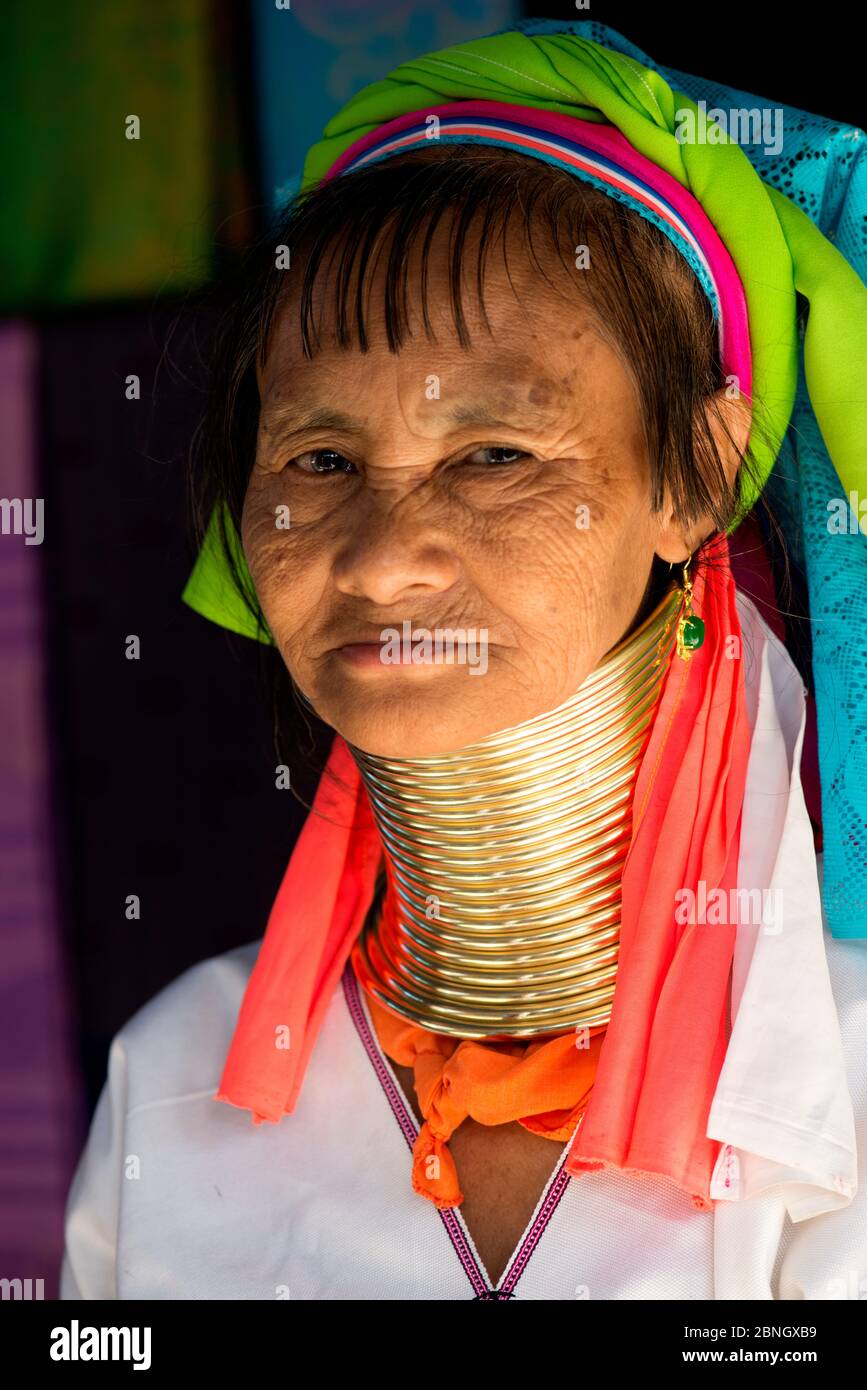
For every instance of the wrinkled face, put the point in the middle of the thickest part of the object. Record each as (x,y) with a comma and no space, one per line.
(447,540)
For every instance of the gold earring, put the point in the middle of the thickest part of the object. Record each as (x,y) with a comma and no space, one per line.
(690,627)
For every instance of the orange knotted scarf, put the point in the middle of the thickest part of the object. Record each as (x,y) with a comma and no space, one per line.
(544,1085)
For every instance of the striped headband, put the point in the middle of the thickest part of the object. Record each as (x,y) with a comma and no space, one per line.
(599,155)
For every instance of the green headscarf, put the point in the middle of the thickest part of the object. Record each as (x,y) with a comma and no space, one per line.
(777,250)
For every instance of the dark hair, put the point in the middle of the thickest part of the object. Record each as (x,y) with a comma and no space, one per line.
(644,297)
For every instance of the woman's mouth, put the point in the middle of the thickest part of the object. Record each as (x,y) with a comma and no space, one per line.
(468,649)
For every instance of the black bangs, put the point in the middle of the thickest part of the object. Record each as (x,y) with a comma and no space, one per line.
(342,227)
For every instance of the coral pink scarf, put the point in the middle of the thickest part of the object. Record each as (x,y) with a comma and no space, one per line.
(664,1045)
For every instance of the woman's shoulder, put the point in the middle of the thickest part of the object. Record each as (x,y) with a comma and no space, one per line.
(176,1042)
(171,1051)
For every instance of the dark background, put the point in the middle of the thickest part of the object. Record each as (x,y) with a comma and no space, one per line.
(803,55)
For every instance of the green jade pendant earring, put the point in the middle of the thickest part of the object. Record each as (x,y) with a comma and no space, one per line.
(690,627)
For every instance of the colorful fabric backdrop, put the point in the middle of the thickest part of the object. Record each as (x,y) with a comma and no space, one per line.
(96,215)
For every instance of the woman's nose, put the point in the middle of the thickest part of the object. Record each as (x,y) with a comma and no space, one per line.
(388,559)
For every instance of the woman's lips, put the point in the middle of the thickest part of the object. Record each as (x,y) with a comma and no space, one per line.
(363,654)
(369,656)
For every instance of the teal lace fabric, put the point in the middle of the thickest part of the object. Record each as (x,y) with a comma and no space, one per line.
(823,168)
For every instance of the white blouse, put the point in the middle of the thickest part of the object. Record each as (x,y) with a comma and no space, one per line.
(177,1196)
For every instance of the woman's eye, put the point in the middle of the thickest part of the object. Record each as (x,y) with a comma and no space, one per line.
(497,449)
(322,461)
(331,461)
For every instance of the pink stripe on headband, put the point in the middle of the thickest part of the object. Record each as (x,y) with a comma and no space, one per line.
(610,144)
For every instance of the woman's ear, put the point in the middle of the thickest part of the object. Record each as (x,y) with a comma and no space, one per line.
(729,419)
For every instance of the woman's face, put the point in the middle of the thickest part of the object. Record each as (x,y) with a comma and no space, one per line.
(496,496)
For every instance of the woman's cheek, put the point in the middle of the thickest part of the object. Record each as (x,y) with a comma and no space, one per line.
(289,567)
(264,544)
(581,576)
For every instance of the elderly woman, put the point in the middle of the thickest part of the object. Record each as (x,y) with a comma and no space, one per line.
(546,1006)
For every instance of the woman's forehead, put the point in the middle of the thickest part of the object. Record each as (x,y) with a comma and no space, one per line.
(534,339)
(473,396)
(483,384)
(418,392)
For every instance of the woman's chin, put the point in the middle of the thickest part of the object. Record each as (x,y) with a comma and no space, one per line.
(420,720)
